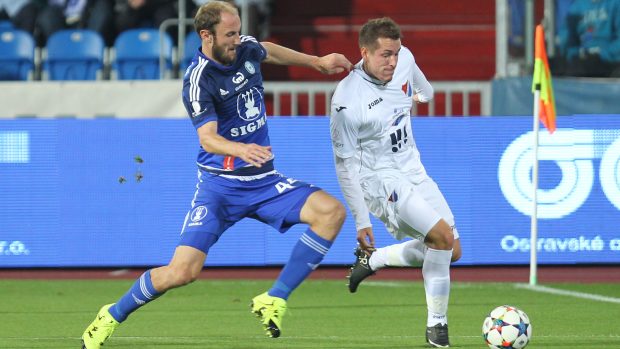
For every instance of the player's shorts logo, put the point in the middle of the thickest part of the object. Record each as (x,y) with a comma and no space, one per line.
(198,213)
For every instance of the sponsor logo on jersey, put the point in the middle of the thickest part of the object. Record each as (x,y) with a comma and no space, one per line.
(250,127)
(338,109)
(398,120)
(249,67)
(375,102)
(223,92)
(238,78)
(249,104)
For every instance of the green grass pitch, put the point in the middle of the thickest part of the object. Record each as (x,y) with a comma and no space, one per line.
(322,314)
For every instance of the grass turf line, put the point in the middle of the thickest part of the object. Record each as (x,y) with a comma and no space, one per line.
(322,314)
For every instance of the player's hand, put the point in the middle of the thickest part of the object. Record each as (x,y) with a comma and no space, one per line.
(255,155)
(366,239)
(333,63)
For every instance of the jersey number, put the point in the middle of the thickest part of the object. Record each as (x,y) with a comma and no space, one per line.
(399,138)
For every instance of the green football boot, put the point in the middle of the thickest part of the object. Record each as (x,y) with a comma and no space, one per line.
(270,310)
(100,329)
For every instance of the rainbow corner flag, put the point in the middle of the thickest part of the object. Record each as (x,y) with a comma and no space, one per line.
(542,82)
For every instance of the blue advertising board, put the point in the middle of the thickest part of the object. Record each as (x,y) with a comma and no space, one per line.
(63,202)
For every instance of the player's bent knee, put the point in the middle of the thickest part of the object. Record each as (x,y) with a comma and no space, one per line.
(440,237)
(338,213)
(181,276)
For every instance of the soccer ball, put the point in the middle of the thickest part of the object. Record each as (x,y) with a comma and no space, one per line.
(507,327)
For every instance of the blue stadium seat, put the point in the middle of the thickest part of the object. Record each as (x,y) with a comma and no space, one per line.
(16,54)
(6,24)
(137,54)
(74,55)
(192,42)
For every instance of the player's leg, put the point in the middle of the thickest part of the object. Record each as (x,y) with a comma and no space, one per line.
(418,214)
(201,229)
(325,216)
(436,273)
(183,269)
(408,253)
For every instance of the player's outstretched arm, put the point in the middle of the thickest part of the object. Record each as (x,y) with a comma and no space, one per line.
(332,63)
(212,142)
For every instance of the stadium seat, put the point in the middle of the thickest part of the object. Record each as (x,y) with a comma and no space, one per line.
(5,25)
(16,54)
(192,42)
(137,54)
(74,55)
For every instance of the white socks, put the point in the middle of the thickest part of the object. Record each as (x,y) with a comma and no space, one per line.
(436,272)
(435,269)
(407,254)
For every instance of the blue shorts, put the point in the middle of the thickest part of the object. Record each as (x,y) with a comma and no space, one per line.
(221,202)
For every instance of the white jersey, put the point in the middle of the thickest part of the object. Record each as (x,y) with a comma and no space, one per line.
(371,120)
(371,131)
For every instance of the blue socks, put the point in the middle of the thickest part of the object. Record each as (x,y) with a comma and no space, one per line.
(306,256)
(138,295)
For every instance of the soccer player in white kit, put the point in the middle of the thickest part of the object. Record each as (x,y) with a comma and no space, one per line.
(379,170)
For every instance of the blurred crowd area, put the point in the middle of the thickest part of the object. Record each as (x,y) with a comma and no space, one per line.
(586,39)
(42,18)
(585,33)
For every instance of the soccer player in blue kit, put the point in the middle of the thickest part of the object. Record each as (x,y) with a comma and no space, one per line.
(223,95)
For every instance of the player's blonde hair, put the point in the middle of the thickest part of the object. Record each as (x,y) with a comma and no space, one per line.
(377,28)
(210,14)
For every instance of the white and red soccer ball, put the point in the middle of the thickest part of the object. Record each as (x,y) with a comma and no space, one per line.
(507,327)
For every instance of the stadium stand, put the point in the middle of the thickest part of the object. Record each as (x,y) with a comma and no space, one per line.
(16,55)
(192,42)
(74,55)
(5,24)
(452,40)
(137,54)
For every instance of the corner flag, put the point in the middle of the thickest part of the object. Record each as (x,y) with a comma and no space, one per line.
(542,82)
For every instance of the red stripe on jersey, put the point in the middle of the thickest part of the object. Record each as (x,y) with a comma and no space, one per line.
(229,163)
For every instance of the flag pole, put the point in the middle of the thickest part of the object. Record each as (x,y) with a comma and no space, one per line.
(544,110)
(534,216)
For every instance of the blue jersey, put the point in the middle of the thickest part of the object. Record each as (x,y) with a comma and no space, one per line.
(232,95)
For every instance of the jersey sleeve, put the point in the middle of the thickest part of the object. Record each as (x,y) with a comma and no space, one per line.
(257,50)
(420,84)
(344,130)
(199,102)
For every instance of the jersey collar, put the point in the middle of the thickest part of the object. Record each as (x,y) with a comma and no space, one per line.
(215,63)
(359,69)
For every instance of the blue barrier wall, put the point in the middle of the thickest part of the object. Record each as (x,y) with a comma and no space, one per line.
(61,203)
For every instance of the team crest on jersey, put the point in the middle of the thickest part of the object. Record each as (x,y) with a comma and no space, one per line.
(249,104)
(407,89)
(197,214)
(249,67)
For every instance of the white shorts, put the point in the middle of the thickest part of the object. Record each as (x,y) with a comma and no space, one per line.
(425,205)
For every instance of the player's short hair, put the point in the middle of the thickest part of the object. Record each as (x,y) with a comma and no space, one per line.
(210,14)
(378,28)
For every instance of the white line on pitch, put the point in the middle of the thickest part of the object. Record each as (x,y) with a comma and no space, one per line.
(590,296)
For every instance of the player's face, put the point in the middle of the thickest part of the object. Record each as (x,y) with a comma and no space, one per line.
(381,62)
(226,39)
